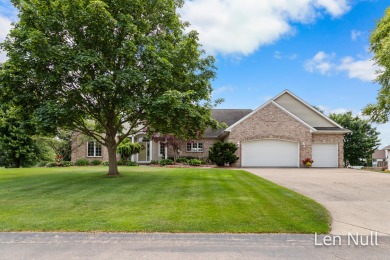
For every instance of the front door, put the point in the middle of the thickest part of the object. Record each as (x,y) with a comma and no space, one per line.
(144,154)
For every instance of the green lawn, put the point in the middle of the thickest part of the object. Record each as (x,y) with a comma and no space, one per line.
(149,199)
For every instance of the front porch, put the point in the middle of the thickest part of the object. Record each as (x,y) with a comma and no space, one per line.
(151,150)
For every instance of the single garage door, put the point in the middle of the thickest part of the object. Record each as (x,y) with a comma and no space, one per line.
(325,155)
(270,153)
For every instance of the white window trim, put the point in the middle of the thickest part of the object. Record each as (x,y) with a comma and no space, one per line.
(159,149)
(194,150)
(94,150)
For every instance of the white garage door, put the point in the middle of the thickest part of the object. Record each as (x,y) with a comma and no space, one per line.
(325,155)
(270,153)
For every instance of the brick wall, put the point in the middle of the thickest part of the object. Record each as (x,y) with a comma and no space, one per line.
(80,149)
(272,123)
(207,143)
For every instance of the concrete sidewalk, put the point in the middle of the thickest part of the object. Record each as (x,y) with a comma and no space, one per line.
(359,201)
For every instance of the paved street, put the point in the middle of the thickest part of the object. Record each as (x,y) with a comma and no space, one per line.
(180,246)
(359,201)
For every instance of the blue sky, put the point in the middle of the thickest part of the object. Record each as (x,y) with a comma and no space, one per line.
(318,49)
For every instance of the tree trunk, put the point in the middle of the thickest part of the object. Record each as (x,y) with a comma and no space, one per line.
(112,163)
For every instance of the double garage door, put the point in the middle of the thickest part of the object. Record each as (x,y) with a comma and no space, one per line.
(278,153)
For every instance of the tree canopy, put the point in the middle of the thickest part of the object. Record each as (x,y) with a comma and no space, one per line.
(361,142)
(108,68)
(17,146)
(380,46)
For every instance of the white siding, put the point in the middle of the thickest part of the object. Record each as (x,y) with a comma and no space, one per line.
(302,111)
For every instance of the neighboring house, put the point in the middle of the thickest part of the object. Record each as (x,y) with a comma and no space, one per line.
(378,157)
(387,150)
(280,133)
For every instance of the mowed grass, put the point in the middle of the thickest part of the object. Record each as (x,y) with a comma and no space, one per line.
(149,199)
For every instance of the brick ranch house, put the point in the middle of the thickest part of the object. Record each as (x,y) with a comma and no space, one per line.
(280,133)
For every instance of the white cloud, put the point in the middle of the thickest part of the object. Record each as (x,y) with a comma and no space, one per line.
(5,27)
(321,62)
(241,27)
(325,64)
(364,70)
(355,34)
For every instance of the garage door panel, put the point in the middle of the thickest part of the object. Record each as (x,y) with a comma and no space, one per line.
(270,153)
(325,155)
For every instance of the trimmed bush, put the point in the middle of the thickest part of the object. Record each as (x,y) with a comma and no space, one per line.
(127,148)
(195,162)
(104,163)
(164,162)
(51,164)
(96,162)
(154,162)
(222,153)
(82,162)
(66,164)
(182,160)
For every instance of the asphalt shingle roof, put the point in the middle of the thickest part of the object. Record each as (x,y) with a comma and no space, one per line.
(227,116)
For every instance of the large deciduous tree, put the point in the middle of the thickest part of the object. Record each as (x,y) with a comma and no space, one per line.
(361,142)
(380,46)
(108,68)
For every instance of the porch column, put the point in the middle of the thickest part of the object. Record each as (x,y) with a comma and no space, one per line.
(133,155)
(151,150)
(166,149)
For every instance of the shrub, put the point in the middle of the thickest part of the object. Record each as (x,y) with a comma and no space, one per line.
(126,148)
(66,164)
(222,153)
(131,163)
(182,160)
(51,164)
(42,164)
(154,162)
(82,162)
(96,162)
(195,162)
(121,162)
(104,163)
(166,162)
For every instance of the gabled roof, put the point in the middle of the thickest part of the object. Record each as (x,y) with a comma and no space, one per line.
(304,111)
(303,114)
(227,116)
(263,106)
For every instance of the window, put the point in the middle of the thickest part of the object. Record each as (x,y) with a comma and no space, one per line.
(94,149)
(194,147)
(162,149)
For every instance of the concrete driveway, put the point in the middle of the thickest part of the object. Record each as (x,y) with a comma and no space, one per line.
(359,201)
